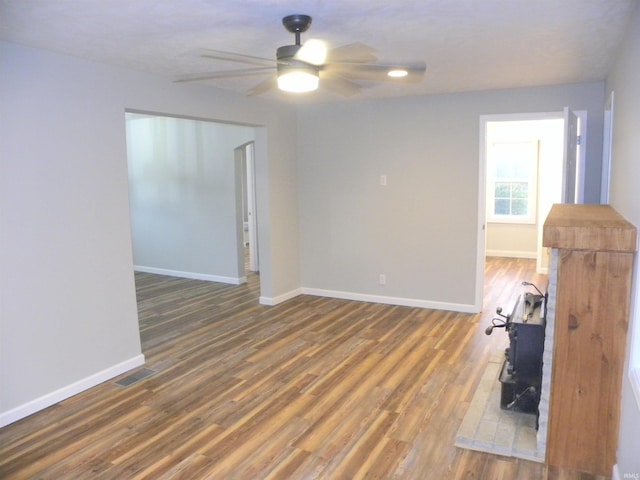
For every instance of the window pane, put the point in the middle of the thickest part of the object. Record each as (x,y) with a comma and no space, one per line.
(520,190)
(503,190)
(516,167)
(522,168)
(504,168)
(519,207)
(512,170)
(501,206)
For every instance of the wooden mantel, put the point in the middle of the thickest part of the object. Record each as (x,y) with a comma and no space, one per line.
(588,227)
(594,247)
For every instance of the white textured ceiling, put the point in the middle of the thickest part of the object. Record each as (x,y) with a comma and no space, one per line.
(467,44)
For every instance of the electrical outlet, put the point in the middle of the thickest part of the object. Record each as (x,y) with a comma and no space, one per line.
(383,180)
(382,279)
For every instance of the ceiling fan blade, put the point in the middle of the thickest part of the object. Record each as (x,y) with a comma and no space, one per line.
(235,57)
(338,84)
(244,72)
(264,86)
(379,72)
(353,53)
(313,51)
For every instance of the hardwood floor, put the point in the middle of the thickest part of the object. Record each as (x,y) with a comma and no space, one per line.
(311,388)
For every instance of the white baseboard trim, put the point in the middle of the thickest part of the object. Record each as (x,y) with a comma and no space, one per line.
(63,393)
(615,475)
(280,298)
(405,302)
(510,254)
(192,275)
(634,379)
(360,297)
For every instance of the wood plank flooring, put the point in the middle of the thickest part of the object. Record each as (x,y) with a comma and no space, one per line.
(311,388)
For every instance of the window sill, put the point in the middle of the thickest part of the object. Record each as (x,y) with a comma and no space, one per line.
(511,220)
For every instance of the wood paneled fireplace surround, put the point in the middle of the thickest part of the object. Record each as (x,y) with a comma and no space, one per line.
(587,320)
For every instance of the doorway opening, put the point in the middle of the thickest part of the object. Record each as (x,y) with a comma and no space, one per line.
(245,161)
(527,162)
(525,157)
(186,196)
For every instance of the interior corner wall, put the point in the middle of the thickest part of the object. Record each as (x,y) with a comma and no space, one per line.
(184,216)
(624,81)
(421,229)
(68,316)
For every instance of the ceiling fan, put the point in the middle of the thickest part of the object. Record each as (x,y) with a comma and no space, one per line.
(300,68)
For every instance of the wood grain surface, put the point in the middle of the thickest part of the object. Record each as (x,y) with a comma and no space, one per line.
(311,388)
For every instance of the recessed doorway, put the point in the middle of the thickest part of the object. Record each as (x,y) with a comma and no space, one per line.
(522,173)
(185,202)
(244,155)
(524,160)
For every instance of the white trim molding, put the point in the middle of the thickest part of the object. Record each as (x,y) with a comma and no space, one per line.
(192,275)
(363,297)
(634,333)
(63,393)
(615,475)
(634,378)
(404,302)
(512,254)
(271,301)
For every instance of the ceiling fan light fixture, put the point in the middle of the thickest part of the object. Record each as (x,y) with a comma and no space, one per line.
(298,77)
(296,81)
(397,73)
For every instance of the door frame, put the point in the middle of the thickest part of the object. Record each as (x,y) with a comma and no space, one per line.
(254,262)
(582,154)
(607,150)
(482,186)
(246,185)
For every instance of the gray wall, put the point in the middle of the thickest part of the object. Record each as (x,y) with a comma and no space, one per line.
(512,240)
(421,229)
(625,197)
(183,186)
(68,314)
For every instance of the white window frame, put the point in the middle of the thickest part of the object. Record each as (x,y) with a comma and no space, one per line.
(492,217)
